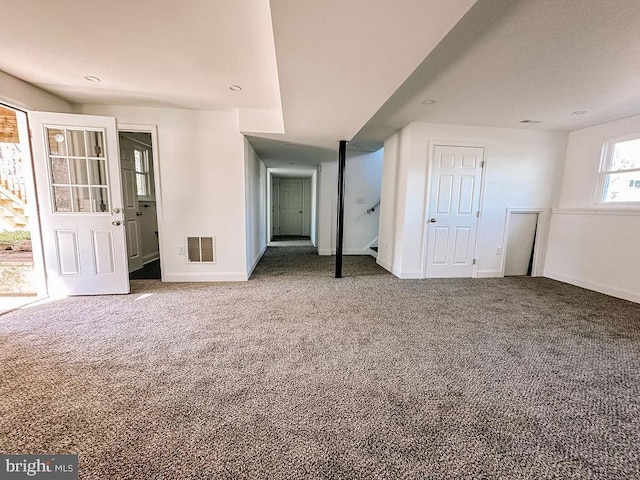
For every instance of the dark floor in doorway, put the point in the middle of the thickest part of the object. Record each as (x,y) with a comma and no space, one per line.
(285,238)
(151,271)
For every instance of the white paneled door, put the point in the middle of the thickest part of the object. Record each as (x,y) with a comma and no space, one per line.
(291,206)
(77,171)
(453,210)
(130,154)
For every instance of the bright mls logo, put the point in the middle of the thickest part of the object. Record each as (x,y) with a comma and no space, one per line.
(49,467)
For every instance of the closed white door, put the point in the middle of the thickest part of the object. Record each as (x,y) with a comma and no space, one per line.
(130,153)
(291,206)
(453,211)
(77,171)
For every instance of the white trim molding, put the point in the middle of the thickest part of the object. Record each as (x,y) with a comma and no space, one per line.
(631,211)
(605,289)
(206,277)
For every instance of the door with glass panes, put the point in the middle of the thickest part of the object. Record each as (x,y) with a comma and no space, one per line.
(80,203)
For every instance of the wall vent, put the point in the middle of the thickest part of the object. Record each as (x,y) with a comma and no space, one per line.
(201,250)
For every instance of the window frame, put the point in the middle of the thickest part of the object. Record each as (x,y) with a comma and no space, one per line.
(605,170)
(146,173)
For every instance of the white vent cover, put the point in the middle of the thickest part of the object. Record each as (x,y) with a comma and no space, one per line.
(201,249)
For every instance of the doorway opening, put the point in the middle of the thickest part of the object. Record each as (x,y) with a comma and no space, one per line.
(140,202)
(291,210)
(21,262)
(522,235)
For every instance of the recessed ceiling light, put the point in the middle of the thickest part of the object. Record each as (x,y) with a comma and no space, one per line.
(529,121)
(235,88)
(428,102)
(579,112)
(91,78)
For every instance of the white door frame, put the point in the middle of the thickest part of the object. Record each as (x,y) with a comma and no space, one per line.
(427,191)
(37,247)
(153,130)
(536,270)
(296,173)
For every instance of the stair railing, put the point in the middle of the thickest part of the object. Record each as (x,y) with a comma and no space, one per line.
(11,172)
(373,208)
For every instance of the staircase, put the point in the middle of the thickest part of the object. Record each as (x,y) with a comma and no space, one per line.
(13,198)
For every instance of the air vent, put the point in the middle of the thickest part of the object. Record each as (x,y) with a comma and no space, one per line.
(201,250)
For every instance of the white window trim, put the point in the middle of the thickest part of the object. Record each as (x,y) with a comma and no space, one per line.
(605,162)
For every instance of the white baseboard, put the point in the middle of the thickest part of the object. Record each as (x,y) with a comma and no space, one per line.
(255,263)
(410,274)
(150,257)
(596,287)
(386,265)
(356,251)
(350,251)
(488,274)
(205,277)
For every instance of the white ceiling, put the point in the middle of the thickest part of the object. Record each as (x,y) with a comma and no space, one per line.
(540,60)
(336,69)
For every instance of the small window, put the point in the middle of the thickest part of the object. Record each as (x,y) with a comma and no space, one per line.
(620,173)
(143,177)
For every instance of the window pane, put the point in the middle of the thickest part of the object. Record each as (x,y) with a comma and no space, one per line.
(78,170)
(76,143)
(141,184)
(56,141)
(98,173)
(59,170)
(61,199)
(626,155)
(81,199)
(95,142)
(100,201)
(138,160)
(622,187)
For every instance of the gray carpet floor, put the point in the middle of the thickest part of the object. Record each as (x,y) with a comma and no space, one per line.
(296,375)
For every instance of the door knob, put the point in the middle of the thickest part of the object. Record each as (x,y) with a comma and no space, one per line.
(115,223)
(138,214)
(432,220)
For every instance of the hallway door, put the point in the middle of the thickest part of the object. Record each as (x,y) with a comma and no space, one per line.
(291,206)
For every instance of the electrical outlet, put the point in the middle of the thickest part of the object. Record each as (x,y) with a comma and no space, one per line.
(499,251)
(181,250)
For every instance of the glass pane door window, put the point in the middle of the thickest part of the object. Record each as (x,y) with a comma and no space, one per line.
(78,170)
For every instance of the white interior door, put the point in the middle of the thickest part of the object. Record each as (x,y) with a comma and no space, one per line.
(128,153)
(291,206)
(77,171)
(453,210)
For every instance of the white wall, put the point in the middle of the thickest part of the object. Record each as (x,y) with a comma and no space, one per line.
(523,170)
(363,176)
(256,201)
(590,245)
(327,202)
(202,186)
(20,94)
